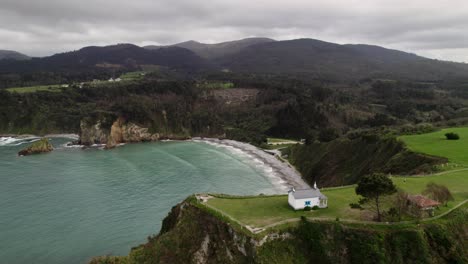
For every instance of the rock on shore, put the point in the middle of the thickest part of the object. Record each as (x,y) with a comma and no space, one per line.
(41,146)
(103,132)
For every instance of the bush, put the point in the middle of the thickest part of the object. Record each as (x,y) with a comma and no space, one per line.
(315,207)
(307,208)
(355,206)
(452,136)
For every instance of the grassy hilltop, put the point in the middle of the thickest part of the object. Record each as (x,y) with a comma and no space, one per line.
(436,144)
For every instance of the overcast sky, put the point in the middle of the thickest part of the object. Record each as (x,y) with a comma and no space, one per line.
(431,28)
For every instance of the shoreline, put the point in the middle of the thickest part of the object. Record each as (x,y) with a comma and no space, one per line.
(284,171)
(286,175)
(23,136)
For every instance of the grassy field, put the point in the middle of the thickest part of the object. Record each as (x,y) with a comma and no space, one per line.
(216,85)
(126,77)
(435,144)
(131,76)
(32,89)
(281,141)
(261,211)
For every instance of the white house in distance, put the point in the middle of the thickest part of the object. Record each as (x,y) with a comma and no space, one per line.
(299,199)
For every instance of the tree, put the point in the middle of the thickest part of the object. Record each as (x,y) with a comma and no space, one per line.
(438,192)
(400,203)
(372,187)
(452,136)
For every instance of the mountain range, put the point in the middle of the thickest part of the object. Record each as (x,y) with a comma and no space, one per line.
(314,58)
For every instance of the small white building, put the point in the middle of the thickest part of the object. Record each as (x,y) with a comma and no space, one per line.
(299,199)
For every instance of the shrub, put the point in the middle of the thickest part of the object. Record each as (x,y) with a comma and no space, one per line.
(452,136)
(315,207)
(307,208)
(355,206)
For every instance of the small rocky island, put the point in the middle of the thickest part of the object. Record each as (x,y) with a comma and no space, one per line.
(41,146)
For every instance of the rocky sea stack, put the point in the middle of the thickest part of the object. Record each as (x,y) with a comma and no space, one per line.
(41,146)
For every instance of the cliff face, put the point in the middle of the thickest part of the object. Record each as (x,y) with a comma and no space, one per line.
(41,146)
(193,234)
(120,131)
(343,161)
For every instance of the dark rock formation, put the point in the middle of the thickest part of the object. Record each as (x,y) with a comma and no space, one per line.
(41,146)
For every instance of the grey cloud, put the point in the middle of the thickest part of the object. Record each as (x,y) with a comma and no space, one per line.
(437,29)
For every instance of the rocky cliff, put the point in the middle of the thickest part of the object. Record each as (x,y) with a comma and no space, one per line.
(120,131)
(41,146)
(194,234)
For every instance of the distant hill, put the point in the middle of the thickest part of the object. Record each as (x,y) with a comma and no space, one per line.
(12,55)
(333,61)
(116,56)
(213,51)
(308,57)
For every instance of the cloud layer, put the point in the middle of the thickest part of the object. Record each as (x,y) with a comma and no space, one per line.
(436,29)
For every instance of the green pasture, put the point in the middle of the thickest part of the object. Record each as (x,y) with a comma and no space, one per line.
(32,89)
(436,144)
(260,211)
(215,85)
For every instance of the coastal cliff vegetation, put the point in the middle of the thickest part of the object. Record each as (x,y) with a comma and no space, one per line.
(192,233)
(343,161)
(41,146)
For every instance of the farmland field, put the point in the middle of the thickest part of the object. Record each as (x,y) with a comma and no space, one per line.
(32,89)
(436,144)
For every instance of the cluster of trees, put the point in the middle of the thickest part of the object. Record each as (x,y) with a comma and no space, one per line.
(378,191)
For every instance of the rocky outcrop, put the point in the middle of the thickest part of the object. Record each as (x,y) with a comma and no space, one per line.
(41,146)
(93,132)
(121,131)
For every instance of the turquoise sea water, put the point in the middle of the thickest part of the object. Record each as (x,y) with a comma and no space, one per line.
(72,204)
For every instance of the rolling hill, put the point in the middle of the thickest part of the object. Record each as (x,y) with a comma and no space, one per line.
(213,51)
(12,55)
(116,56)
(332,61)
(306,57)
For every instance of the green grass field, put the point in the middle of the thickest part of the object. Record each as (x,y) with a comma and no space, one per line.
(436,144)
(261,211)
(126,77)
(281,141)
(216,85)
(130,76)
(33,89)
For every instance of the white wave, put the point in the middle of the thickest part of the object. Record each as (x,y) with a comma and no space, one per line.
(13,141)
(68,145)
(267,165)
(70,136)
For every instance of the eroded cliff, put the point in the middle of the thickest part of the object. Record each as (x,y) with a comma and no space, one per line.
(120,131)
(194,234)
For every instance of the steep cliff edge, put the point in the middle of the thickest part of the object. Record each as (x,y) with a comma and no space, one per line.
(193,234)
(100,131)
(344,160)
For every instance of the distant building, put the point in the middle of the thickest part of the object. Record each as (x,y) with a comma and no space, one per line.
(299,199)
(118,80)
(420,205)
(111,80)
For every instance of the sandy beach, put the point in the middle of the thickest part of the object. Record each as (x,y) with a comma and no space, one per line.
(287,175)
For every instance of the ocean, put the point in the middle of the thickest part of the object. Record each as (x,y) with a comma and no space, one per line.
(72,204)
